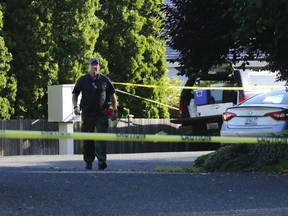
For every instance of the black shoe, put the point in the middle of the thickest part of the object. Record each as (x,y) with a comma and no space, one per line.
(102,165)
(88,166)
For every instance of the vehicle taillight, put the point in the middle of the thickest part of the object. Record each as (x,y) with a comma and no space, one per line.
(241,99)
(227,116)
(281,115)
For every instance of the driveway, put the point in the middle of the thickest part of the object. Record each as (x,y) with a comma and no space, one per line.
(59,185)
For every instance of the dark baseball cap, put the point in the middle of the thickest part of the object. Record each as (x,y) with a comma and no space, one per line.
(93,60)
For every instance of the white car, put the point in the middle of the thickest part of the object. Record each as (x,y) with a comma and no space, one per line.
(265,114)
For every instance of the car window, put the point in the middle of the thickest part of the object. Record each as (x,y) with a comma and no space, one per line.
(219,95)
(270,97)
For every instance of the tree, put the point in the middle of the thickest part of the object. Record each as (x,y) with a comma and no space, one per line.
(50,41)
(8,81)
(29,25)
(207,32)
(75,31)
(172,92)
(201,31)
(131,43)
(263,31)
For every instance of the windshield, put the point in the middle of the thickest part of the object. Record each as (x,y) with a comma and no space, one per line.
(265,80)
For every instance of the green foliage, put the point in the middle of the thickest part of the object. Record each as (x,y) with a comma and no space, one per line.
(201,31)
(241,157)
(205,32)
(50,42)
(280,167)
(172,93)
(75,29)
(29,27)
(174,169)
(8,82)
(263,27)
(131,43)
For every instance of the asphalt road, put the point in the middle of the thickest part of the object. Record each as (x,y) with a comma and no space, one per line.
(59,185)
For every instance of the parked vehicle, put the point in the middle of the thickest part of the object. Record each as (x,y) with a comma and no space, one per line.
(265,114)
(223,89)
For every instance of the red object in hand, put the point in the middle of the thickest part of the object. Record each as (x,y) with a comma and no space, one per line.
(110,111)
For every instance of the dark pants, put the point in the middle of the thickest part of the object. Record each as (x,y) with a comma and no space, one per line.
(91,148)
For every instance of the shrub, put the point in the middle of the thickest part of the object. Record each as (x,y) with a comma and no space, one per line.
(242,157)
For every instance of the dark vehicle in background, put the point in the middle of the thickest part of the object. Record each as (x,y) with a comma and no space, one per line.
(206,96)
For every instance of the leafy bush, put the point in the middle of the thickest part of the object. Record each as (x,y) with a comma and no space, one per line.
(242,157)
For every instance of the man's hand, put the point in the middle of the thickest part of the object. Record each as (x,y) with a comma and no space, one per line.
(76,110)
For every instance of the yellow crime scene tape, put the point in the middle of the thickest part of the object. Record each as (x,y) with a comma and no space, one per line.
(152,101)
(202,88)
(15,134)
(189,87)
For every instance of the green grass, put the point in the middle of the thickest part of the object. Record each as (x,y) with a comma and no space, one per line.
(175,169)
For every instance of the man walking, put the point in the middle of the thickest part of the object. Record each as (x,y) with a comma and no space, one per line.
(97,93)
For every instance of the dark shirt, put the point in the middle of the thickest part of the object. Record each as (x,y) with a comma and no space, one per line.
(95,94)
